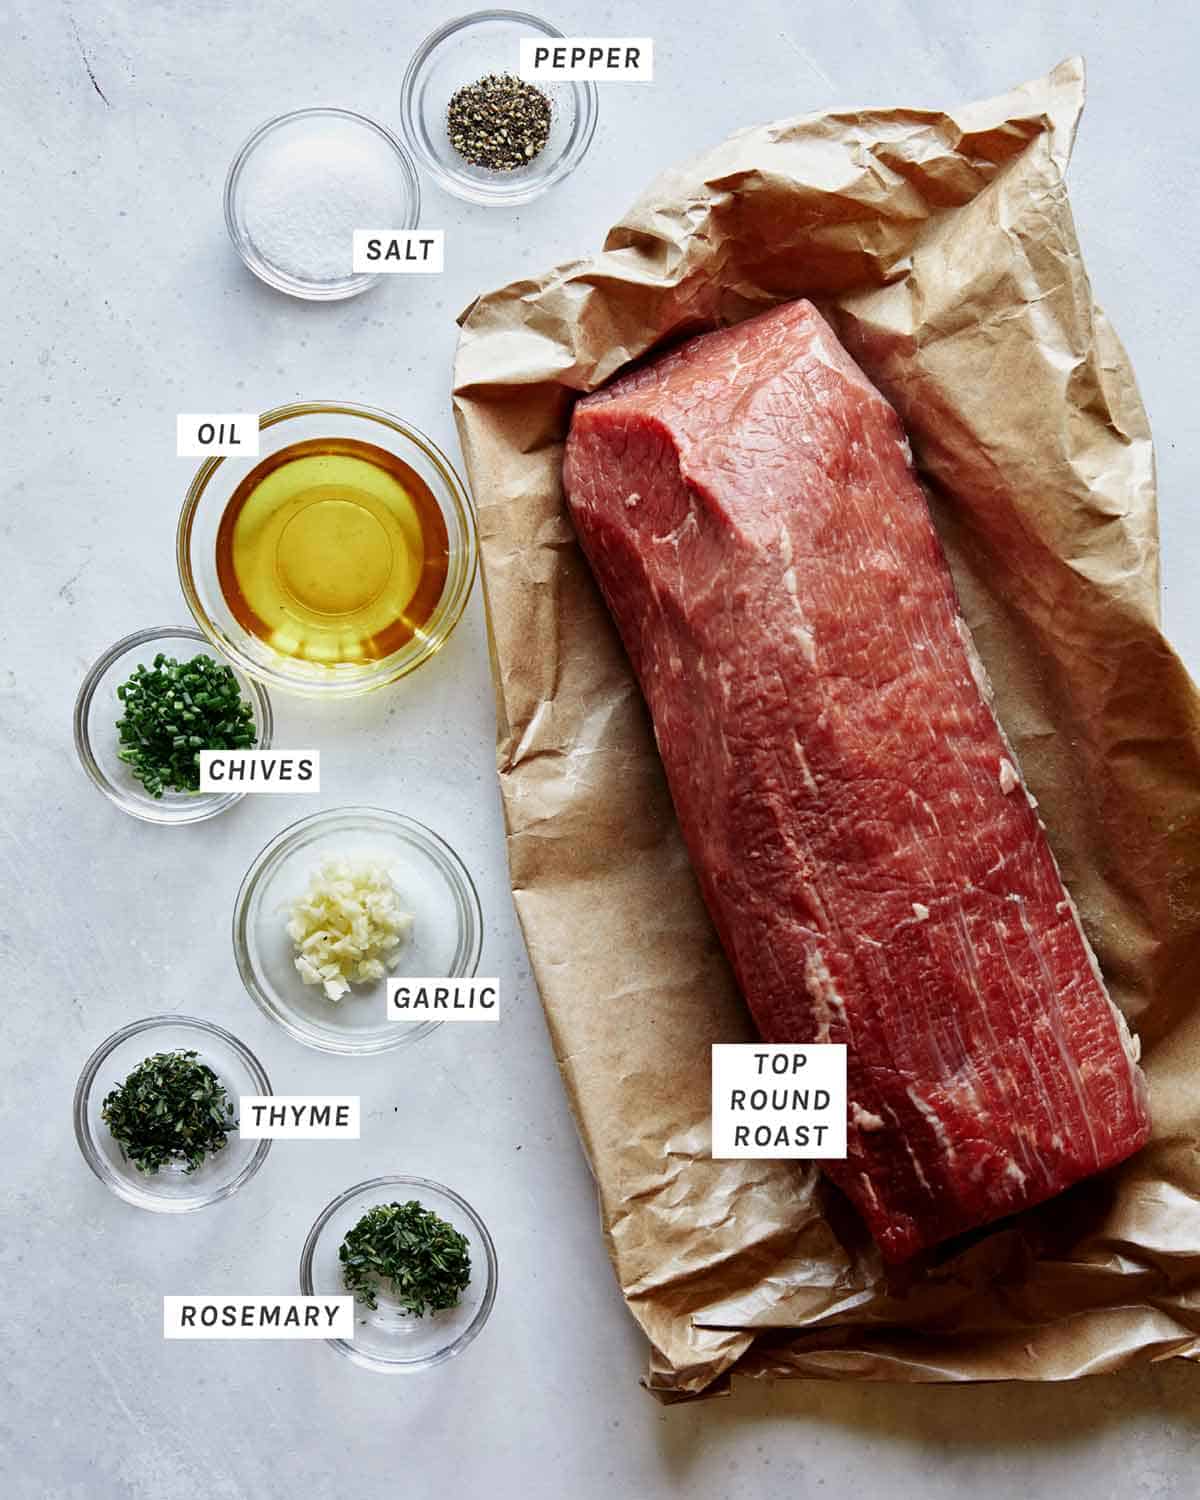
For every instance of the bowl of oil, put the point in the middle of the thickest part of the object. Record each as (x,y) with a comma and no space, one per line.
(337,560)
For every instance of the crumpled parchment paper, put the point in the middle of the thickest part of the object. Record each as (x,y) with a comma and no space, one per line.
(943,249)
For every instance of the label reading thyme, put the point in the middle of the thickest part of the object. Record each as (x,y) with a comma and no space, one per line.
(499,122)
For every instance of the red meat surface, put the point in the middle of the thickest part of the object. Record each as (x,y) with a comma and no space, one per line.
(864,842)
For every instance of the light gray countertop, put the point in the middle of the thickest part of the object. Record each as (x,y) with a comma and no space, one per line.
(125,304)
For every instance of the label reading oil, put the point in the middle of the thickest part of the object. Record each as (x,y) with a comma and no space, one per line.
(230,434)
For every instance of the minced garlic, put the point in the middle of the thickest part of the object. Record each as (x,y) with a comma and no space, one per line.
(349,926)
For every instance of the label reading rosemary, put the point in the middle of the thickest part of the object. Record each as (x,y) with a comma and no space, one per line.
(602,59)
(229,434)
(499,122)
(256,1317)
(443,999)
(779,1100)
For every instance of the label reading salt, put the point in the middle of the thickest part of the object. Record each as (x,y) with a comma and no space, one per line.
(230,434)
(256,1317)
(779,1100)
(600,59)
(260,770)
(443,999)
(299,1117)
(415,251)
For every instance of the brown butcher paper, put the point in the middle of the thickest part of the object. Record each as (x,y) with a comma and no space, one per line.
(942,248)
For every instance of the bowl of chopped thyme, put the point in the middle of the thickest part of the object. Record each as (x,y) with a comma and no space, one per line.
(156,1113)
(149,706)
(483,133)
(419,1263)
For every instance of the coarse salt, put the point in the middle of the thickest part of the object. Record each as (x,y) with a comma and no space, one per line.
(305,201)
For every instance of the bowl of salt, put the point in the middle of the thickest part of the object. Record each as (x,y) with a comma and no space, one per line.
(299,188)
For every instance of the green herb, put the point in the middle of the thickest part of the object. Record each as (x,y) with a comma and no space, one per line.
(499,122)
(171,1108)
(173,710)
(425,1260)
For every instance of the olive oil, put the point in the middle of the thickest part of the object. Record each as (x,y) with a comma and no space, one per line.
(332,550)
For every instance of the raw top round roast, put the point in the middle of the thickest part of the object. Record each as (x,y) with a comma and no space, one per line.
(865,844)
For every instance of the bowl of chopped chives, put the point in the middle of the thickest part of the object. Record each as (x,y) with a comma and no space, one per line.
(156,1113)
(149,706)
(482,132)
(418,1261)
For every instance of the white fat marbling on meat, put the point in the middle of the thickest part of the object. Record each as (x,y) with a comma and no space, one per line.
(1014,1173)
(1009,780)
(827,1003)
(810,781)
(920,911)
(934,1121)
(632,500)
(785,546)
(864,1119)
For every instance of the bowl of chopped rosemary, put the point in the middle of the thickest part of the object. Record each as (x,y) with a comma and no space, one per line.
(149,706)
(419,1263)
(483,133)
(156,1113)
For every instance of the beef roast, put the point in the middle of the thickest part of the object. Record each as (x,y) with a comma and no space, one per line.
(857,821)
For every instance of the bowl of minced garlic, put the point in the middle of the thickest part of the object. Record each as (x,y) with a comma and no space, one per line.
(335,905)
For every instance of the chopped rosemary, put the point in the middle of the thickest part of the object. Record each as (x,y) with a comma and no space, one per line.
(425,1261)
(173,710)
(171,1108)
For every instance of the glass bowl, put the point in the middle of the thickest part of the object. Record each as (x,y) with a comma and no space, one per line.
(433,885)
(98,708)
(214,484)
(333,146)
(171,1190)
(461,52)
(387,1338)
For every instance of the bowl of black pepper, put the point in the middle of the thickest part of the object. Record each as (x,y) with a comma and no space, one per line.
(480,130)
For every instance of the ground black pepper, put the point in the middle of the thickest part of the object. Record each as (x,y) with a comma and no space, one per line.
(500,122)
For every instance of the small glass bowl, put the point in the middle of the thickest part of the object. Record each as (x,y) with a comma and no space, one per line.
(213,487)
(170,1190)
(461,52)
(433,885)
(98,708)
(387,1338)
(316,136)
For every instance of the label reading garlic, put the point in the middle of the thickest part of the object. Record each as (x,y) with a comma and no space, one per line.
(443,999)
(779,1100)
